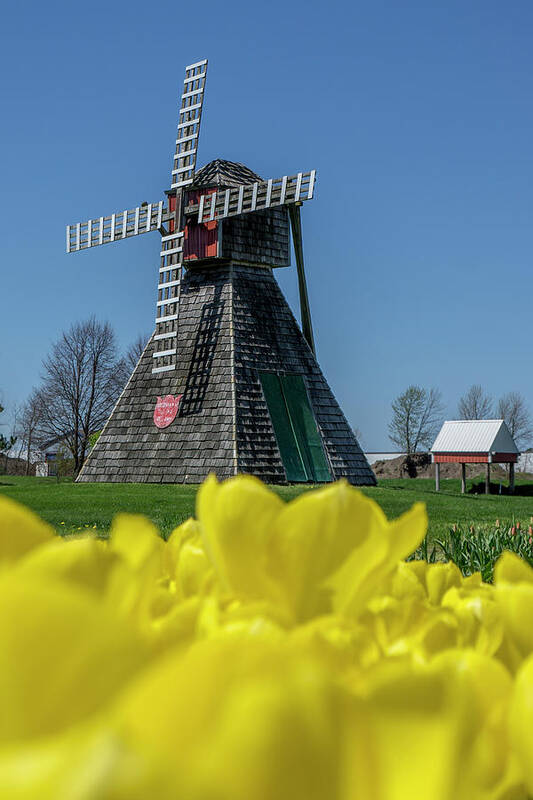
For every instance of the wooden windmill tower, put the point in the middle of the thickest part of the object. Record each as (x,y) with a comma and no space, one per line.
(228,382)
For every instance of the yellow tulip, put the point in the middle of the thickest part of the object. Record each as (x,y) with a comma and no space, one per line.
(521,721)
(514,595)
(374,559)
(84,561)
(266,650)
(63,655)
(187,561)
(248,720)
(236,520)
(20,530)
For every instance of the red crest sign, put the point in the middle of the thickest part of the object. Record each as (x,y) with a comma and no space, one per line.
(166,409)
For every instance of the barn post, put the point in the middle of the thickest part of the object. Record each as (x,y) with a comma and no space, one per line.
(511,477)
(437,476)
(487,479)
(463,478)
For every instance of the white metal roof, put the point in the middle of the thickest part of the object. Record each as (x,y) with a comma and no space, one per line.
(474,436)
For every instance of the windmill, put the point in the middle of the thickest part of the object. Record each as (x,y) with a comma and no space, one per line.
(171,220)
(221,227)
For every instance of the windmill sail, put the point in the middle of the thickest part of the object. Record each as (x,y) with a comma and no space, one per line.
(255,197)
(190,117)
(171,268)
(102,230)
(168,298)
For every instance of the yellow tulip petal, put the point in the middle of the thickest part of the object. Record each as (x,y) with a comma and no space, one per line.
(516,604)
(188,530)
(366,568)
(409,731)
(510,568)
(192,569)
(407,581)
(250,720)
(87,762)
(360,575)
(419,568)
(62,656)
(134,538)
(521,720)
(479,618)
(314,535)
(488,686)
(84,561)
(20,530)
(236,519)
(407,532)
(439,578)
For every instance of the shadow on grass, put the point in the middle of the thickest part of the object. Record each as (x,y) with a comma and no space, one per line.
(523,490)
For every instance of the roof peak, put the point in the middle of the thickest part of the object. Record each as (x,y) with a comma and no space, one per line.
(224,173)
(474,436)
(457,421)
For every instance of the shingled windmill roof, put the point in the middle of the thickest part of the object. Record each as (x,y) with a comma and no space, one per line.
(224,173)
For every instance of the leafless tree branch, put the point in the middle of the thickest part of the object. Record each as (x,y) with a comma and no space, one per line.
(416,417)
(475,404)
(513,409)
(81,382)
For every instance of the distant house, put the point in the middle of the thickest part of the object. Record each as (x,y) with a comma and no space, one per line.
(47,466)
(476,441)
(50,452)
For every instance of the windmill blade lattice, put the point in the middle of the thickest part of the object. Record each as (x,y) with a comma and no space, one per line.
(190,117)
(171,267)
(123,225)
(168,298)
(255,197)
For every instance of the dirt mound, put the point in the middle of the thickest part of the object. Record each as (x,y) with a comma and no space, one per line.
(419,466)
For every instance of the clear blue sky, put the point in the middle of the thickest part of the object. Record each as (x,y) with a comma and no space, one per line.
(417,116)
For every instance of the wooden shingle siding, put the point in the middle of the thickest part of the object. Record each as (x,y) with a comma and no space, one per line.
(234,323)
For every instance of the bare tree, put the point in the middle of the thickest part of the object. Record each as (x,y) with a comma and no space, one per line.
(359,436)
(80,385)
(6,444)
(475,404)
(416,417)
(28,425)
(135,351)
(513,409)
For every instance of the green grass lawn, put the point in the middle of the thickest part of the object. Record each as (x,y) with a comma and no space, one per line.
(76,507)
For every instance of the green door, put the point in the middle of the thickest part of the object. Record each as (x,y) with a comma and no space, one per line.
(290,455)
(305,428)
(295,428)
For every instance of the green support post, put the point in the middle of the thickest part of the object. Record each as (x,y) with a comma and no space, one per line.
(305,312)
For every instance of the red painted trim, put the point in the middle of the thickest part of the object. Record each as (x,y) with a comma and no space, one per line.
(200,240)
(509,458)
(474,458)
(460,458)
(172,209)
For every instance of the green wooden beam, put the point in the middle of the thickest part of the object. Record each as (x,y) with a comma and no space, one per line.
(305,311)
